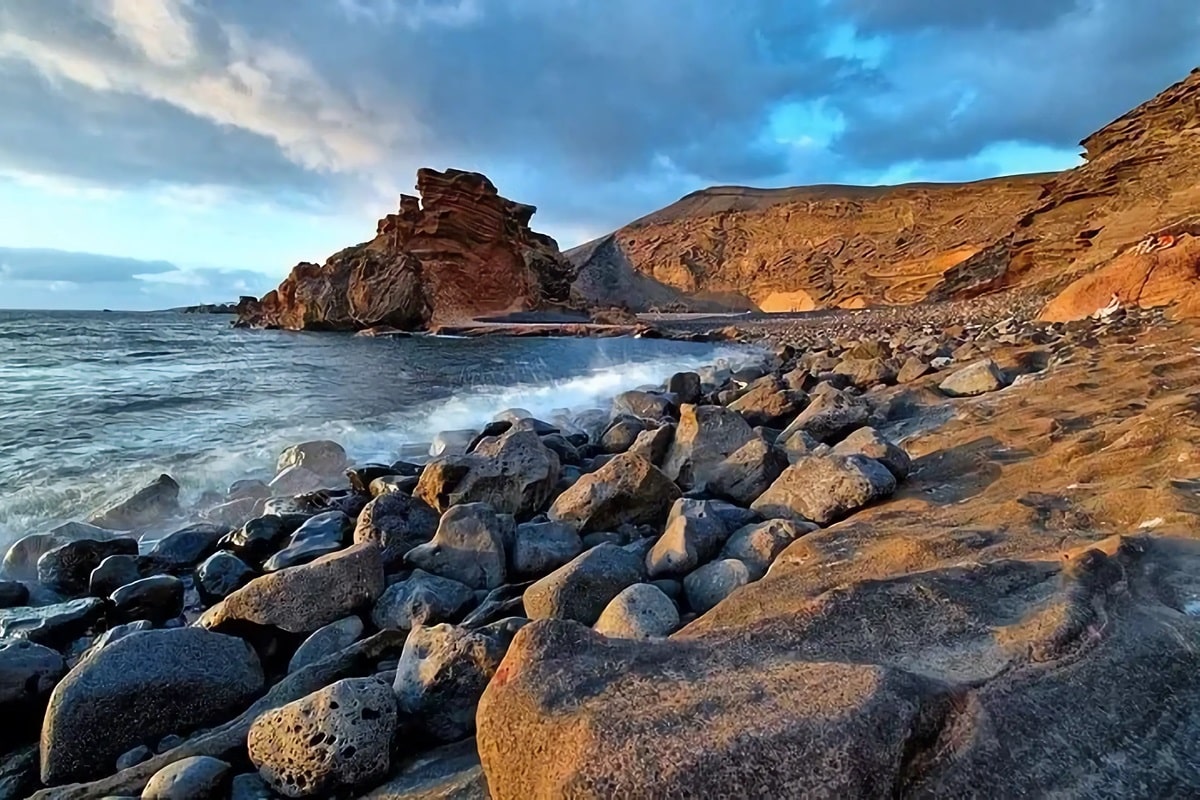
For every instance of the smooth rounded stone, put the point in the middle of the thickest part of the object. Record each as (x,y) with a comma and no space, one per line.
(872,444)
(685,386)
(452,443)
(13,593)
(442,673)
(304,598)
(670,587)
(149,505)
(422,599)
(168,743)
(978,378)
(28,672)
(233,512)
(469,546)
(187,547)
(250,786)
(157,599)
(361,475)
(133,757)
(296,480)
(20,560)
(825,489)
(54,625)
(766,402)
(759,544)
(541,547)
(112,573)
(194,778)
(644,405)
(407,469)
(396,523)
(747,472)
(830,415)
(138,689)
(713,582)
(640,611)
(694,534)
(621,435)
(393,483)
(514,473)
(68,567)
(326,641)
(120,632)
(866,372)
(566,451)
(914,367)
(248,488)
(319,536)
(220,575)
(628,489)
(582,588)
(334,739)
(258,538)
(705,436)
(321,457)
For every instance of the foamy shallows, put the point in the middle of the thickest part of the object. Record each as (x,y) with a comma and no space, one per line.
(94,405)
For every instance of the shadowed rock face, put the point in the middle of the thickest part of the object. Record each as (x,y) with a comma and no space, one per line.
(458,252)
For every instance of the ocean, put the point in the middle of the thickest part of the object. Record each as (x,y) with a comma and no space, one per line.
(95,404)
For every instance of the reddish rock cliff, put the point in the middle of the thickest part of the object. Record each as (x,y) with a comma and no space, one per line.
(459,252)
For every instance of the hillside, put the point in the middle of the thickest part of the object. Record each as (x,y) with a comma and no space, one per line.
(853,246)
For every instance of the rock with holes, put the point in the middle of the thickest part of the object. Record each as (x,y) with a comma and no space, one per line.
(872,444)
(397,523)
(978,378)
(514,473)
(336,739)
(442,673)
(825,489)
(468,547)
(641,611)
(628,489)
(758,545)
(195,778)
(705,436)
(141,688)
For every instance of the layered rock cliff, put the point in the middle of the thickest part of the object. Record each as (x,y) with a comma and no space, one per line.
(848,246)
(458,252)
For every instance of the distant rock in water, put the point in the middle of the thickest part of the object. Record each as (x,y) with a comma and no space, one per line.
(209,308)
(458,252)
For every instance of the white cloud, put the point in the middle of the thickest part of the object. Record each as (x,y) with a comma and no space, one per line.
(158,29)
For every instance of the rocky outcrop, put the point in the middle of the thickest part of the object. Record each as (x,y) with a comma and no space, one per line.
(457,252)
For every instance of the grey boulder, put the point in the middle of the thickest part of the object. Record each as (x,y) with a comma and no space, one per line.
(421,599)
(195,778)
(713,582)
(540,547)
(824,489)
(147,506)
(581,589)
(68,567)
(978,378)
(397,523)
(468,546)
(640,611)
(326,641)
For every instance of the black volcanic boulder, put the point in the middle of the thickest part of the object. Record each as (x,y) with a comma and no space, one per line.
(68,567)
(396,523)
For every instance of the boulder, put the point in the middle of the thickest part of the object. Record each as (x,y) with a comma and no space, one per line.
(705,437)
(258,538)
(53,625)
(685,386)
(112,573)
(157,599)
(250,786)
(304,598)
(621,435)
(914,367)
(68,567)
(757,545)
(514,473)
(713,582)
(322,457)
(148,506)
(747,472)
(319,536)
(653,444)
(978,378)
(13,593)
(649,406)
(120,632)
(872,444)
(186,548)
(397,523)
(766,403)
(20,560)
(825,489)
(140,688)
(453,443)
(628,489)
(194,778)
(640,611)
(296,480)
(332,740)
(581,589)
(326,641)
(866,372)
(449,772)
(441,675)
(468,546)
(830,415)
(540,547)
(421,599)
(28,672)
(800,444)
(220,575)
(694,534)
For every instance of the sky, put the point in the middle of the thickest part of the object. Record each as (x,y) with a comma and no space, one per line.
(156,153)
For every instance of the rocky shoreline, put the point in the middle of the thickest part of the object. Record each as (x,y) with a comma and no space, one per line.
(792,580)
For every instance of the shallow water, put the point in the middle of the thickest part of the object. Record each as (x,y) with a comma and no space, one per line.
(94,404)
